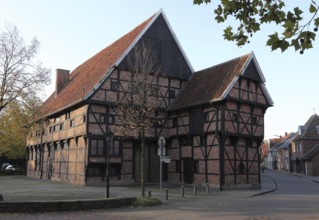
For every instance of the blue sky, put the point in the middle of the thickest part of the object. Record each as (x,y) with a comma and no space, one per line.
(71,31)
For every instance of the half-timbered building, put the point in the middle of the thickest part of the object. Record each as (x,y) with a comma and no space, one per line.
(213,120)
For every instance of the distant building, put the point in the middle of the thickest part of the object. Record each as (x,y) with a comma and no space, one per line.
(305,156)
(279,155)
(213,118)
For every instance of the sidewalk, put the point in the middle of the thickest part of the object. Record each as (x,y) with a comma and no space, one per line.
(21,188)
(42,195)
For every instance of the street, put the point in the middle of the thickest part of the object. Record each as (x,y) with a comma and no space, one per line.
(296,197)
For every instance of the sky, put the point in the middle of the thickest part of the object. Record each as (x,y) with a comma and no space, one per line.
(71,31)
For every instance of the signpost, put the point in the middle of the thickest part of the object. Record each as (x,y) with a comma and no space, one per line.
(163,158)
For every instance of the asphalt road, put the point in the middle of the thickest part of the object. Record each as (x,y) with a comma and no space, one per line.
(295,198)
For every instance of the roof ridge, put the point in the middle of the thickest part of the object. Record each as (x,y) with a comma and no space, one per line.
(114,42)
(224,63)
(84,78)
(308,123)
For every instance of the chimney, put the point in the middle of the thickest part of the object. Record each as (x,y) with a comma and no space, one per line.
(62,77)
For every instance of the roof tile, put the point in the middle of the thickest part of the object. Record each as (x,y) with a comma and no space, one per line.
(83,79)
(209,84)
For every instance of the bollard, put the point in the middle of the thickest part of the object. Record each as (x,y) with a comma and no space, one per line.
(166,193)
(182,191)
(149,193)
(194,190)
(207,187)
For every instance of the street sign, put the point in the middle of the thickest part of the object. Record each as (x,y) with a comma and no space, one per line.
(161,141)
(166,159)
(161,146)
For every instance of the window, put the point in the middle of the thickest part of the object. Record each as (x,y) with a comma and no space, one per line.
(84,118)
(115,170)
(49,151)
(206,116)
(96,170)
(67,115)
(62,145)
(115,85)
(178,166)
(72,123)
(196,166)
(196,122)
(204,141)
(174,122)
(115,148)
(235,117)
(61,126)
(241,168)
(254,120)
(103,118)
(186,141)
(171,94)
(97,148)
(111,120)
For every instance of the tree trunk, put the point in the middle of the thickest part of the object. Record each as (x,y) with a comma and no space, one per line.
(142,163)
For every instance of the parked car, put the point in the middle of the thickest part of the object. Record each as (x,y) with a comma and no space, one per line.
(13,167)
(4,166)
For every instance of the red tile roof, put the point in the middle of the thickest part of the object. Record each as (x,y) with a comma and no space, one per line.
(83,79)
(209,84)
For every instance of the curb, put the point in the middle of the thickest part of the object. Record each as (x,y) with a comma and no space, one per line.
(65,205)
(267,191)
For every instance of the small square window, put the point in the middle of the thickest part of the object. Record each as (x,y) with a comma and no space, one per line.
(235,117)
(203,141)
(115,85)
(174,122)
(102,118)
(111,120)
(171,94)
(254,120)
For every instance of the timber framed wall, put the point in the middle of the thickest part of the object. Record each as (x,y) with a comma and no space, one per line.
(102,119)
(220,142)
(57,148)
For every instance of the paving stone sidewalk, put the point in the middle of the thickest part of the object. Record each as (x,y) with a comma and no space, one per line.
(21,188)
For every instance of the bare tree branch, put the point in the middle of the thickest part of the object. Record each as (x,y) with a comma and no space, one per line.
(137,109)
(21,75)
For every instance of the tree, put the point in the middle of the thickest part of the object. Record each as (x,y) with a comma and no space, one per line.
(22,77)
(251,14)
(13,131)
(137,108)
